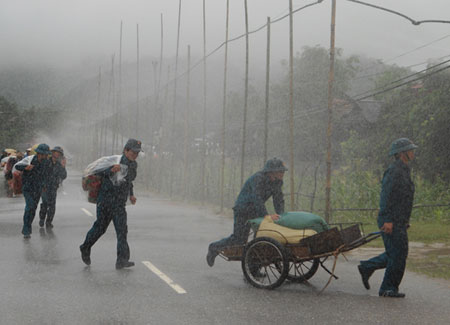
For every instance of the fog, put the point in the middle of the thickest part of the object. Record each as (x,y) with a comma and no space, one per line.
(57,56)
(69,33)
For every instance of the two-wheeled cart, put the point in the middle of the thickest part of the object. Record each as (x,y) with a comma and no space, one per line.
(266,262)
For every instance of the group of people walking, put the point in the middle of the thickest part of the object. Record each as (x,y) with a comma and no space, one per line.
(42,176)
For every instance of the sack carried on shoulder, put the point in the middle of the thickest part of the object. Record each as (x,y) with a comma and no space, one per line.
(92,184)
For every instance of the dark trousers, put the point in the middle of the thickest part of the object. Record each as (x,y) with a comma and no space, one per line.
(31,203)
(105,213)
(48,205)
(393,259)
(241,230)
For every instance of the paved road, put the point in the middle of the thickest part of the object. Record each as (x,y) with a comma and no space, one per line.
(43,280)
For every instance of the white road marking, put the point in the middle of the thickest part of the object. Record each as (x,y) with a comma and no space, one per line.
(164,277)
(87,212)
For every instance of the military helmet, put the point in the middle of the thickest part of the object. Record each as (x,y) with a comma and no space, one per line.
(58,149)
(274,165)
(401,145)
(43,149)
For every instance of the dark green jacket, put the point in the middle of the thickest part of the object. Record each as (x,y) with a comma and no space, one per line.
(117,194)
(397,195)
(56,174)
(256,191)
(33,180)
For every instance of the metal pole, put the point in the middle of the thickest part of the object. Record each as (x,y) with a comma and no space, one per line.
(244,122)
(172,149)
(224,108)
(330,111)
(204,107)
(291,104)
(266,115)
(186,124)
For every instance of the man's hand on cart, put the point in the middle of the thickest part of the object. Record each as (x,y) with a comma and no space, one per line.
(115,168)
(275,216)
(387,228)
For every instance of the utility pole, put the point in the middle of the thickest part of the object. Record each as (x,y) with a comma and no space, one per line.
(244,122)
(330,112)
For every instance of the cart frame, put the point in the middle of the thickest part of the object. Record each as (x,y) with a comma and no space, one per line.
(266,262)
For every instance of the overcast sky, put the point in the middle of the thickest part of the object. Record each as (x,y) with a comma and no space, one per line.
(65,33)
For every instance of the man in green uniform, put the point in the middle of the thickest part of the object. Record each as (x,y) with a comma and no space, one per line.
(57,172)
(33,179)
(396,200)
(111,206)
(251,204)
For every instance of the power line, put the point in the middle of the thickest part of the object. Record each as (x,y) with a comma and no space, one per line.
(403,78)
(307,6)
(413,21)
(405,53)
(242,36)
(402,84)
(406,67)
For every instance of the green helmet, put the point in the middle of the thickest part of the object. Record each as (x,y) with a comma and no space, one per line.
(401,145)
(274,165)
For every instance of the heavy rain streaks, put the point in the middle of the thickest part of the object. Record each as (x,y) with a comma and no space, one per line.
(168,114)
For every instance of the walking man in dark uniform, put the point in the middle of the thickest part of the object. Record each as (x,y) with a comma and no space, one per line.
(33,180)
(251,204)
(57,173)
(111,206)
(396,200)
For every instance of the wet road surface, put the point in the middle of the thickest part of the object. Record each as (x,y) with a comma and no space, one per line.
(44,281)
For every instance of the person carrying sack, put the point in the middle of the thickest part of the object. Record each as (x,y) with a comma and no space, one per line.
(112,197)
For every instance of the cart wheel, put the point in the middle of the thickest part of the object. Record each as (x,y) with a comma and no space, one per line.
(302,271)
(265,263)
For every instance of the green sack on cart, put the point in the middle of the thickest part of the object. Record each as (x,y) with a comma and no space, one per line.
(296,220)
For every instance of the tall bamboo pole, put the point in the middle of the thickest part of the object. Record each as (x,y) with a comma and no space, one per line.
(291,104)
(159,110)
(330,112)
(172,149)
(266,113)
(136,127)
(244,120)
(224,108)
(204,107)
(186,125)
(164,139)
(119,96)
(97,139)
(110,104)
